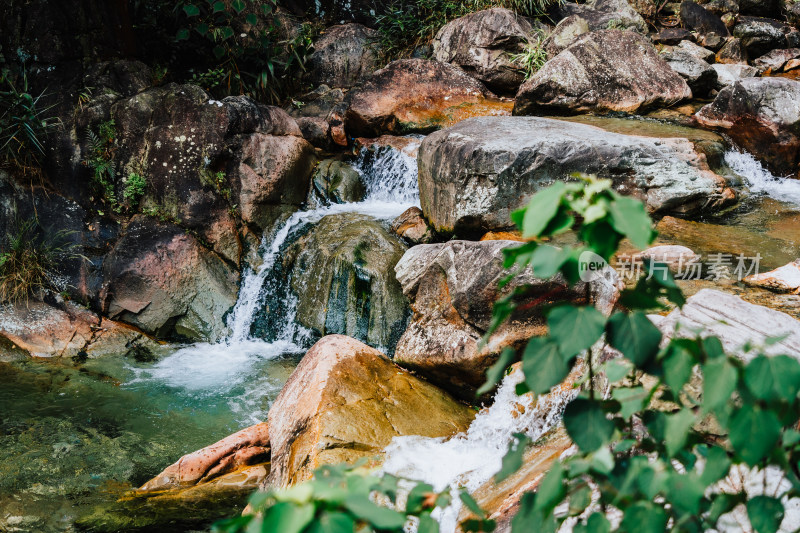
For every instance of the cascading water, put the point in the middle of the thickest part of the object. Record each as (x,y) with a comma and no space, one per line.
(469,460)
(761,180)
(233,368)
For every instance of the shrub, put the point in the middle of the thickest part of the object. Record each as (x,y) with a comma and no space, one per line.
(24,125)
(135,185)
(532,58)
(29,261)
(100,159)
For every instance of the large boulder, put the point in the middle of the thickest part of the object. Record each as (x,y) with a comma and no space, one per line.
(345,401)
(472,175)
(67,330)
(343,274)
(410,95)
(344,55)
(335,182)
(607,14)
(564,34)
(452,288)
(760,35)
(162,280)
(608,70)
(763,116)
(729,74)
(482,43)
(696,18)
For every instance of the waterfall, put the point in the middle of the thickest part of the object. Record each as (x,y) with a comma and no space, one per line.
(762,180)
(471,459)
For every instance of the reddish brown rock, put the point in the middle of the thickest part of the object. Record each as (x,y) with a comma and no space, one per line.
(783,279)
(412,226)
(411,95)
(345,401)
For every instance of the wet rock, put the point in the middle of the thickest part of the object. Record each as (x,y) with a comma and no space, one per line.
(760,35)
(269,175)
(452,288)
(41,330)
(730,74)
(564,34)
(342,272)
(412,227)
(698,74)
(607,14)
(161,279)
(674,256)
(735,322)
(316,130)
(699,52)
(762,115)
(318,103)
(482,43)
(475,173)
(410,95)
(783,279)
(344,55)
(335,182)
(775,60)
(607,70)
(732,52)
(696,18)
(244,448)
(345,401)
(409,145)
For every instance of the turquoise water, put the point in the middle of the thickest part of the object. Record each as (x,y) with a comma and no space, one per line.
(75,436)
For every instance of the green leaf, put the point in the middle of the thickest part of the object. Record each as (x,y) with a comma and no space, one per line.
(635,336)
(644,517)
(227,32)
(333,522)
(471,504)
(238,5)
(541,209)
(546,260)
(496,372)
(218,51)
(543,365)
(201,28)
(631,400)
(597,523)
(587,425)
(753,433)
(713,347)
(723,504)
(629,217)
(252,19)
(551,490)
(580,500)
(678,364)
(191,10)
(416,498)
(287,517)
(765,514)
(426,525)
(601,238)
(719,382)
(512,460)
(773,378)
(616,369)
(716,467)
(685,492)
(677,430)
(218,6)
(182,34)
(380,517)
(575,328)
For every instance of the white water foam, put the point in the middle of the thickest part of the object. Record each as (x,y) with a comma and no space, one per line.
(471,459)
(761,180)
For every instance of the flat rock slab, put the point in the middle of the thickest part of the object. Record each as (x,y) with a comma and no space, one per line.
(472,175)
(783,279)
(735,322)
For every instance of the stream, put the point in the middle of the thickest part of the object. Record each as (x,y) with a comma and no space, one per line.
(73,436)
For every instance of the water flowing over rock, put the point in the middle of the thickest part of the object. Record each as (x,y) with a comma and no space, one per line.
(161,279)
(41,330)
(607,14)
(346,401)
(762,115)
(410,95)
(452,288)
(475,173)
(344,55)
(609,70)
(342,272)
(482,43)
(735,322)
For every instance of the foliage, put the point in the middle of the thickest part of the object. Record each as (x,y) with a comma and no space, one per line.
(100,159)
(24,124)
(407,24)
(135,186)
(655,462)
(29,261)
(533,56)
(342,499)
(252,47)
